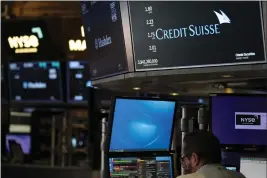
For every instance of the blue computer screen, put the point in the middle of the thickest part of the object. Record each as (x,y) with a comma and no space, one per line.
(142,125)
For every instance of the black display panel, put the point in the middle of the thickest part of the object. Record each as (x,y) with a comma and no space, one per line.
(168,35)
(78,81)
(104,38)
(35,81)
(3,85)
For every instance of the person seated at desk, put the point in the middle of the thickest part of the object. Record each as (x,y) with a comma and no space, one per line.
(202,157)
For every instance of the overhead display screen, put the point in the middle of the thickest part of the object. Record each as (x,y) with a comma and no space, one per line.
(104,38)
(169,35)
(78,81)
(26,38)
(147,128)
(35,81)
(239,120)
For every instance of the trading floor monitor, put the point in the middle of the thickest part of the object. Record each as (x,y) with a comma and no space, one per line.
(239,120)
(36,82)
(253,167)
(140,125)
(134,167)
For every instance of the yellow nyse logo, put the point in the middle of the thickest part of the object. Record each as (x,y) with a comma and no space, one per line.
(26,43)
(78,45)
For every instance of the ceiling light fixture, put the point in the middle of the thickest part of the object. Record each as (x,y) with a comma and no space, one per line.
(227,76)
(229,90)
(136,88)
(174,94)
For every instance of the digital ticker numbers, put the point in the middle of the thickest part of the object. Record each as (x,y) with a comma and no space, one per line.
(78,81)
(148,167)
(176,34)
(35,81)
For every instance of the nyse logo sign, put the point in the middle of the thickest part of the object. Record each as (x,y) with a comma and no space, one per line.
(249,120)
(26,43)
(78,45)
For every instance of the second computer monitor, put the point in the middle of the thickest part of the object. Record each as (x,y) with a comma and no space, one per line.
(158,166)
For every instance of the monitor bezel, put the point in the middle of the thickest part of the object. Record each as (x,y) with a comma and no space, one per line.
(110,125)
(38,101)
(243,148)
(144,155)
(68,100)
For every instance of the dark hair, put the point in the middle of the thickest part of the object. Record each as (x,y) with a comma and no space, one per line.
(205,145)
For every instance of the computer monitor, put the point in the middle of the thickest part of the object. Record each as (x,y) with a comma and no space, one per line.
(158,166)
(35,82)
(231,168)
(253,167)
(140,125)
(78,75)
(239,119)
(22,139)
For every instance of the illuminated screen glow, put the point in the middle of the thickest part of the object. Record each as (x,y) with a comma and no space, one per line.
(142,125)
(78,81)
(240,120)
(160,166)
(23,140)
(35,81)
(253,167)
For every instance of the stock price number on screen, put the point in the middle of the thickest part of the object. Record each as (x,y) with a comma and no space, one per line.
(148,62)
(151,35)
(148,9)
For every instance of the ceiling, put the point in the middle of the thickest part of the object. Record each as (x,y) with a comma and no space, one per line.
(25,9)
(198,82)
(182,81)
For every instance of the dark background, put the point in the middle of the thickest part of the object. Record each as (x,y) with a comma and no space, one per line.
(243,35)
(111,59)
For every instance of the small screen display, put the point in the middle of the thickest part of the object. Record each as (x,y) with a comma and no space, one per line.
(253,167)
(231,168)
(240,120)
(78,81)
(23,140)
(142,125)
(159,166)
(35,81)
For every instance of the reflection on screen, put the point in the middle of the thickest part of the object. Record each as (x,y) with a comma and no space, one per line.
(141,167)
(240,119)
(35,81)
(142,125)
(253,167)
(78,81)
(23,140)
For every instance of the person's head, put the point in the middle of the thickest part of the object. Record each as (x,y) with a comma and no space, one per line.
(200,148)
